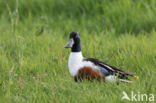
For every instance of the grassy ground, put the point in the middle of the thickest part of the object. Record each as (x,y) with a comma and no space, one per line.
(33,60)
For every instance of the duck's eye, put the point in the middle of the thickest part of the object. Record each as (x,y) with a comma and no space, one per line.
(75,36)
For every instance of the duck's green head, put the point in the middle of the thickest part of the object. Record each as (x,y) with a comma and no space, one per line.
(74,42)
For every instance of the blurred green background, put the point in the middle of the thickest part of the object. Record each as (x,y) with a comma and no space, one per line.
(34,63)
(119,16)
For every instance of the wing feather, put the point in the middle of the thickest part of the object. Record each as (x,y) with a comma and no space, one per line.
(110,69)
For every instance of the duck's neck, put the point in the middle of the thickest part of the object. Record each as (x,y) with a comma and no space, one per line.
(76,47)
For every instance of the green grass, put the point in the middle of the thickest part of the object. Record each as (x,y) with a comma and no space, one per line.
(121,16)
(33,60)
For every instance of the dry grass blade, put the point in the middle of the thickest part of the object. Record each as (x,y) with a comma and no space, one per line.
(20,83)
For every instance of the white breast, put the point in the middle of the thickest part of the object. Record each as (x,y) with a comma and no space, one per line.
(76,62)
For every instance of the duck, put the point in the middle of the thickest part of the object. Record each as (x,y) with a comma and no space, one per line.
(81,68)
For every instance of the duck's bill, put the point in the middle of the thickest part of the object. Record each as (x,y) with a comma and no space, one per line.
(70,43)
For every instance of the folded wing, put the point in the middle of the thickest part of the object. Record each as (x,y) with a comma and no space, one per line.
(107,69)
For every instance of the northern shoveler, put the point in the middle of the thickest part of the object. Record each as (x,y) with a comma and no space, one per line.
(91,68)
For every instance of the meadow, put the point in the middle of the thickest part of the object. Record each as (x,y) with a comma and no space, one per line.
(34,62)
